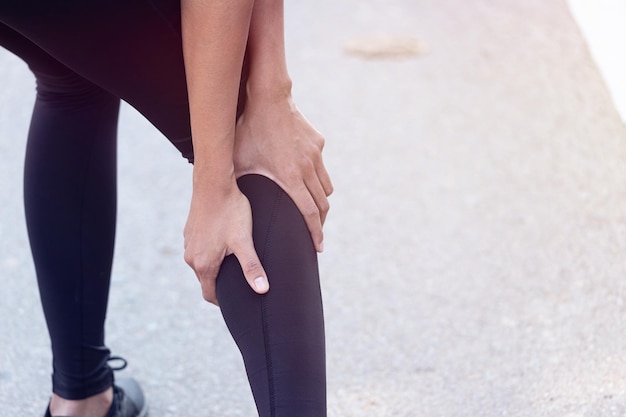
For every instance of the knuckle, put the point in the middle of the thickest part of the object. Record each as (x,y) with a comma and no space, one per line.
(312,211)
(320,141)
(324,206)
(202,267)
(309,163)
(251,266)
(189,259)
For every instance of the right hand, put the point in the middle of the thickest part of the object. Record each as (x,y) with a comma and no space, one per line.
(275,140)
(220,224)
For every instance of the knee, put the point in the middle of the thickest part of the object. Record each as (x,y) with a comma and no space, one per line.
(62,86)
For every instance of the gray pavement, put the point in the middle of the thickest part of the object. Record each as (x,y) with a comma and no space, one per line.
(474,259)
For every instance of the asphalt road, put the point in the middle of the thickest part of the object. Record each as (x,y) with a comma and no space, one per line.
(474,260)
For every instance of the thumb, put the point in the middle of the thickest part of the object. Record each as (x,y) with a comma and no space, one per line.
(252,269)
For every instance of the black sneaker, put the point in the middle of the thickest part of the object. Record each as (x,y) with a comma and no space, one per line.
(128,400)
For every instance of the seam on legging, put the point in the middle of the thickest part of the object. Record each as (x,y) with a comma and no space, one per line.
(268,356)
(81,246)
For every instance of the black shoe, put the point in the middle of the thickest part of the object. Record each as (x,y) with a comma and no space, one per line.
(128,400)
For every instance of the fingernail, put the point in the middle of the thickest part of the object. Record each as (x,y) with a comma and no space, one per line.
(260,284)
(322,247)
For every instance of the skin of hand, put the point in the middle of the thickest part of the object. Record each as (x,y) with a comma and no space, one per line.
(275,140)
(229,219)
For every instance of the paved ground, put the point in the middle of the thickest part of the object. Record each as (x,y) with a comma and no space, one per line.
(475,251)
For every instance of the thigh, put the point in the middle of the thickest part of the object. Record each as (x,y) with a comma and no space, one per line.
(130,48)
(36,58)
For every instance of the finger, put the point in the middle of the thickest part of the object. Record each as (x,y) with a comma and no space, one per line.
(206,271)
(252,269)
(208,291)
(324,178)
(319,196)
(311,214)
(207,285)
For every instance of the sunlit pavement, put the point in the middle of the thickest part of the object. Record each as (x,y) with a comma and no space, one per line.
(474,260)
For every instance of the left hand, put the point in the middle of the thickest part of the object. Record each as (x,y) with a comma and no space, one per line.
(220,224)
(274,139)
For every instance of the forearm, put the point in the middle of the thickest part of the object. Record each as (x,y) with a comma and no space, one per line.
(266,50)
(215,33)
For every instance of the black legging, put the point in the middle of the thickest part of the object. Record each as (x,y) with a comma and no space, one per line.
(86,55)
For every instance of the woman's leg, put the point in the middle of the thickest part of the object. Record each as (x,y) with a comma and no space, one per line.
(70,204)
(281,334)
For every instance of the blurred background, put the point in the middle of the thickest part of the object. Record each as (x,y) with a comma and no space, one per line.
(602,25)
(474,261)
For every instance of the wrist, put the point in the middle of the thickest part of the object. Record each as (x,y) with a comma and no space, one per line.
(210,179)
(213,167)
(269,88)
